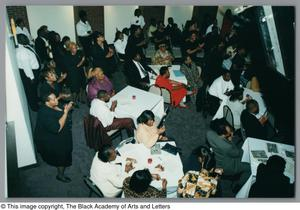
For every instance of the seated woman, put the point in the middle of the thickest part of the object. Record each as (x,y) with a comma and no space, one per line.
(138,185)
(52,84)
(202,168)
(147,133)
(98,82)
(120,44)
(177,89)
(195,161)
(192,73)
(162,56)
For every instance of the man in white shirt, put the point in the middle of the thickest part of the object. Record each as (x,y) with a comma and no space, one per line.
(219,91)
(221,86)
(107,116)
(106,172)
(21,29)
(29,70)
(84,31)
(138,19)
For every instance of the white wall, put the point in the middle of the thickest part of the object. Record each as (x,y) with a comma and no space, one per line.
(180,14)
(16,106)
(116,17)
(57,18)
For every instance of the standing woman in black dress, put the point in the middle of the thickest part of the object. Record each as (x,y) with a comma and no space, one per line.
(136,42)
(102,54)
(53,135)
(74,62)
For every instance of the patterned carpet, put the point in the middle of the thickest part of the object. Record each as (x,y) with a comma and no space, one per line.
(186,126)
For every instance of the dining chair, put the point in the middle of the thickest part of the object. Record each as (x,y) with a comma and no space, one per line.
(161,92)
(93,188)
(126,141)
(95,134)
(155,90)
(166,95)
(227,114)
(243,132)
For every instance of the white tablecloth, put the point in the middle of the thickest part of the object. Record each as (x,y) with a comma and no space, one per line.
(128,106)
(255,95)
(172,164)
(156,68)
(257,144)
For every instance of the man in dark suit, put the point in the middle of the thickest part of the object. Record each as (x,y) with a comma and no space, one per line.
(137,72)
(42,47)
(228,156)
(253,126)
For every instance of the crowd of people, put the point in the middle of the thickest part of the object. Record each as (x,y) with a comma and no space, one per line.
(57,76)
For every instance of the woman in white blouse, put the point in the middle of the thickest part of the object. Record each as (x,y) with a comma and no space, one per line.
(236,104)
(147,133)
(120,44)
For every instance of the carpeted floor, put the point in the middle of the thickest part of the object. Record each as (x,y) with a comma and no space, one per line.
(187,126)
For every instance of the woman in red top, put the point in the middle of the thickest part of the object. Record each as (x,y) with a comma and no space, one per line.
(177,89)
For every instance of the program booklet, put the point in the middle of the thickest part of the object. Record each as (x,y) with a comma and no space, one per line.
(259,154)
(272,148)
(290,154)
(155,149)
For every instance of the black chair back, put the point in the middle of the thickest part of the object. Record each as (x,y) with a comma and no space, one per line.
(93,188)
(227,114)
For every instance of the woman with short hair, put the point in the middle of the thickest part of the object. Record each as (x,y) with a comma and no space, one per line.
(53,135)
(74,62)
(120,44)
(147,132)
(138,185)
(162,56)
(52,84)
(201,167)
(178,90)
(99,82)
(102,54)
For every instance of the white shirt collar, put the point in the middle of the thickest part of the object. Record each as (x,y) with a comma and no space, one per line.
(85,23)
(100,101)
(139,66)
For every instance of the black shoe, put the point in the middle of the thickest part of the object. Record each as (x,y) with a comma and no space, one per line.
(63,179)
